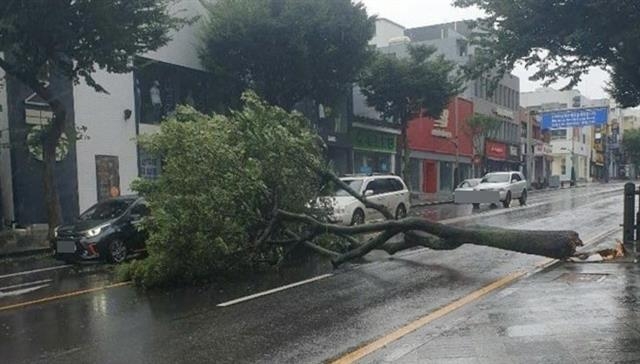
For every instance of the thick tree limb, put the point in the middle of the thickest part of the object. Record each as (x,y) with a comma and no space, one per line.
(553,244)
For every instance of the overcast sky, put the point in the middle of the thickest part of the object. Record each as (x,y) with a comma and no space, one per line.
(415,13)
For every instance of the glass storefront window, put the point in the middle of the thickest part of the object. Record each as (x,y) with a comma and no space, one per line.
(371,162)
(446,176)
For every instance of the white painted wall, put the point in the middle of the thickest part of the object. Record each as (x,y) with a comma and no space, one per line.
(183,49)
(109,133)
(6,183)
(386,30)
(103,114)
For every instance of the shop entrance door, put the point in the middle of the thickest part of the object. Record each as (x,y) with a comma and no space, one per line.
(430,177)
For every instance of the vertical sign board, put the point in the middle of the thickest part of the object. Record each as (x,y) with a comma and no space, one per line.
(575,118)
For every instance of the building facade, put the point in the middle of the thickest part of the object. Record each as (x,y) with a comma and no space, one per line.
(441,150)
(574,155)
(501,150)
(106,159)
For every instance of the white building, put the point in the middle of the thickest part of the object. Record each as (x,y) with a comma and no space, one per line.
(573,147)
(108,161)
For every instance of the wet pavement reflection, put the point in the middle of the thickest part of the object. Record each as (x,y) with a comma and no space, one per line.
(310,323)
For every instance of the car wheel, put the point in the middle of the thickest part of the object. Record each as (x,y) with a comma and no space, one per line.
(476,206)
(401,212)
(523,198)
(358,217)
(116,251)
(507,200)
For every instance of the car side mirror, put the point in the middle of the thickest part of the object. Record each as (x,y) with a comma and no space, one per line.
(368,193)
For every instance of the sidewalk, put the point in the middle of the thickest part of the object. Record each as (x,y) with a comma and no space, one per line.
(427,199)
(23,241)
(568,313)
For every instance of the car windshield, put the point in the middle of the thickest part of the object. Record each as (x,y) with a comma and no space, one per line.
(495,178)
(355,185)
(106,210)
(468,183)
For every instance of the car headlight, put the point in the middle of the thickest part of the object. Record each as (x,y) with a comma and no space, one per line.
(95,231)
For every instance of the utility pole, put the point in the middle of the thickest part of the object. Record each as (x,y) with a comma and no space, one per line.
(457,168)
(529,155)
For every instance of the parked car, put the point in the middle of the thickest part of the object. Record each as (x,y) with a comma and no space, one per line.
(495,187)
(467,185)
(108,230)
(387,190)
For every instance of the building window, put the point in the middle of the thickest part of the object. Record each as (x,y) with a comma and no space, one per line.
(150,165)
(558,134)
(563,166)
(160,87)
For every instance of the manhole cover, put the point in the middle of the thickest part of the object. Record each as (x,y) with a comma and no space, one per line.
(582,277)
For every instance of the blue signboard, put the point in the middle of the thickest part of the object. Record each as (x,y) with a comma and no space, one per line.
(575,118)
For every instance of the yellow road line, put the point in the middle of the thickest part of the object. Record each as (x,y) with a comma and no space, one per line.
(415,325)
(64,295)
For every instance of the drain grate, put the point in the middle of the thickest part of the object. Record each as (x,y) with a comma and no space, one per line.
(582,277)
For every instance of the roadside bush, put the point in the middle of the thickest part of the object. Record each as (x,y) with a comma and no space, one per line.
(221,178)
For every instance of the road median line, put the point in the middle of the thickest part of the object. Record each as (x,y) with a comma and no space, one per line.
(64,295)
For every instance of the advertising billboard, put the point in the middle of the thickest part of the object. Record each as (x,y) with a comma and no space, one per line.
(575,118)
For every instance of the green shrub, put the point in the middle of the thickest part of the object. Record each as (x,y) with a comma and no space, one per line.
(220,178)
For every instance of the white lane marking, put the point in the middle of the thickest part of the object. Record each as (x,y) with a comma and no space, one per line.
(23,291)
(279,289)
(25,284)
(34,271)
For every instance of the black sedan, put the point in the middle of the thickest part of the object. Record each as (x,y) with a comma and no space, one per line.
(108,230)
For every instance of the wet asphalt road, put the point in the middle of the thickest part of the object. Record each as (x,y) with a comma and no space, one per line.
(306,324)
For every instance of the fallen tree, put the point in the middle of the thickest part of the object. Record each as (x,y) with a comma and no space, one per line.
(419,232)
(235,192)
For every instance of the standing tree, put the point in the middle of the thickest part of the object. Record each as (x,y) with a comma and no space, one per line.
(480,127)
(286,50)
(563,38)
(41,40)
(402,88)
(631,145)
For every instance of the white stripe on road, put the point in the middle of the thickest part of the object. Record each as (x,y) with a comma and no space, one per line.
(279,289)
(23,291)
(25,284)
(35,271)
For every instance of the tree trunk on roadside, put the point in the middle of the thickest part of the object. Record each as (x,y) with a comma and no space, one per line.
(405,153)
(52,135)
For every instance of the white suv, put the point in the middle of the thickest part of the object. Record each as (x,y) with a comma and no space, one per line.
(387,190)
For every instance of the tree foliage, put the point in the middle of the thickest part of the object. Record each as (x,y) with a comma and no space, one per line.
(286,50)
(44,40)
(631,145)
(223,177)
(402,88)
(563,38)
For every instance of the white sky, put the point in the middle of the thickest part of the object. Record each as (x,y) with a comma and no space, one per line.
(415,13)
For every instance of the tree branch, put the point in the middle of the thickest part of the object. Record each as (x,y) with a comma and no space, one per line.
(553,244)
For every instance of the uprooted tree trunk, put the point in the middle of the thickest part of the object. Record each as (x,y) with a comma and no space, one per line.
(418,232)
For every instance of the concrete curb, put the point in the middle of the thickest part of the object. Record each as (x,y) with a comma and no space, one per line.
(430,203)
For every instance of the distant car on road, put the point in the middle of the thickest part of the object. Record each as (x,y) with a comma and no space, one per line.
(495,187)
(387,190)
(108,230)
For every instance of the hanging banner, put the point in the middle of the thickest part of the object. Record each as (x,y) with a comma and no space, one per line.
(575,118)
